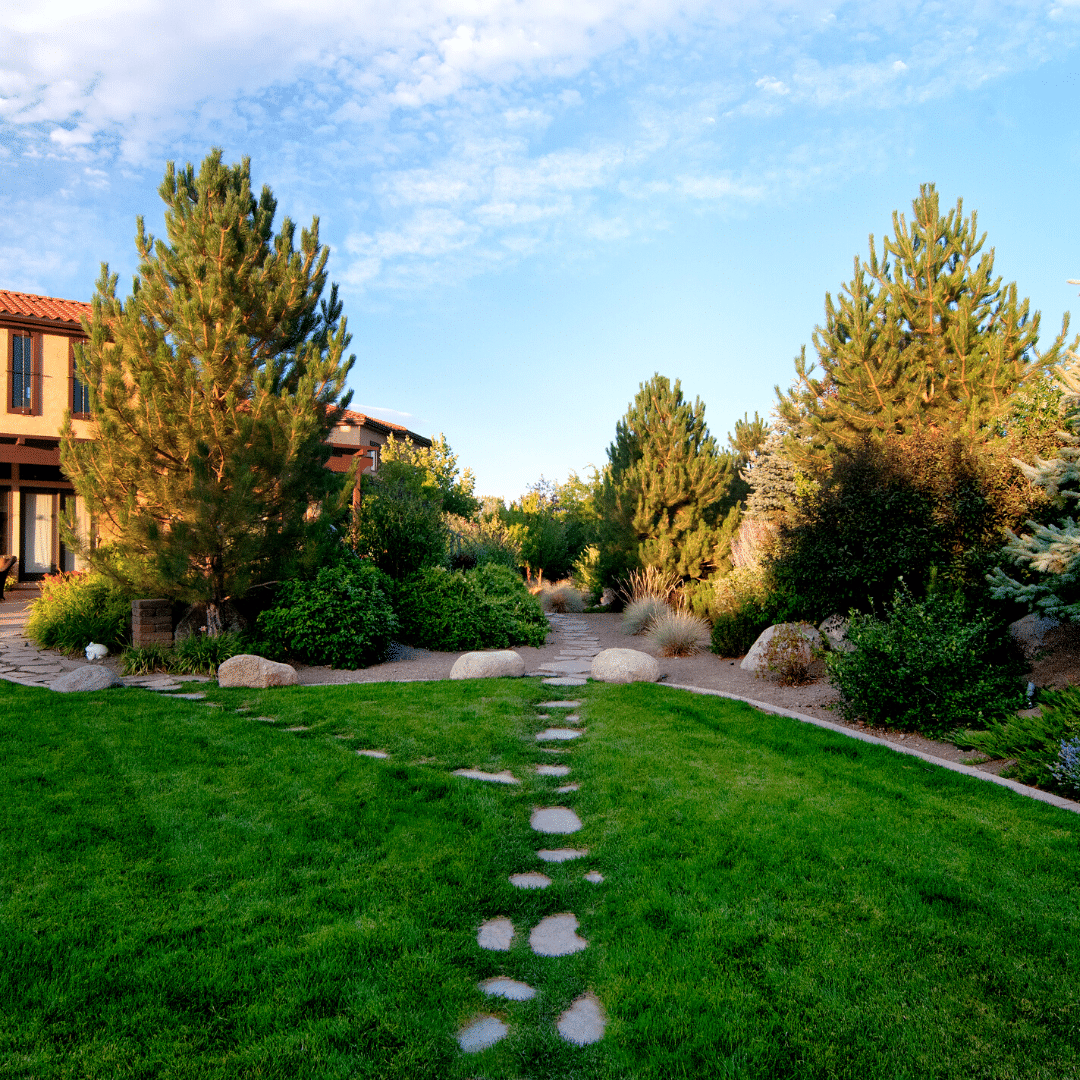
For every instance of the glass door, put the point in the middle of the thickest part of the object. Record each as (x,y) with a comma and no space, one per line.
(37,528)
(75,505)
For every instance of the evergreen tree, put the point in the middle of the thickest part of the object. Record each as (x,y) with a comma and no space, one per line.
(771,478)
(665,487)
(926,336)
(212,390)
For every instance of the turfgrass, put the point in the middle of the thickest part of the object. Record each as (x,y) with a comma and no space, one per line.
(190,892)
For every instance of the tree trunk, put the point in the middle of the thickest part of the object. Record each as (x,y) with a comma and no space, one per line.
(215,626)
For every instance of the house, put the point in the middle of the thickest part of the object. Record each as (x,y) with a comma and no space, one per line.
(37,385)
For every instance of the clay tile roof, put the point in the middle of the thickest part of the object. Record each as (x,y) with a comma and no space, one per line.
(360,419)
(42,307)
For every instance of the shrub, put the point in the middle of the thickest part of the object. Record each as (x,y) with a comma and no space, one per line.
(343,618)
(1067,770)
(75,609)
(560,597)
(741,610)
(480,543)
(679,633)
(928,666)
(587,574)
(639,615)
(145,660)
(452,610)
(789,655)
(1036,742)
(895,509)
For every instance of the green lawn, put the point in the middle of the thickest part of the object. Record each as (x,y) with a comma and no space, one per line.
(189,892)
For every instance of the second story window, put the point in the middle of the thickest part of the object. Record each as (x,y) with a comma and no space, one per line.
(22,373)
(80,394)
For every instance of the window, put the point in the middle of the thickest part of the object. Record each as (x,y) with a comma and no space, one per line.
(22,373)
(80,394)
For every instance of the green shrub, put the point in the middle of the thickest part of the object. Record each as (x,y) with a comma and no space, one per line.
(343,618)
(147,659)
(480,543)
(75,609)
(735,629)
(789,655)
(453,611)
(1034,741)
(929,666)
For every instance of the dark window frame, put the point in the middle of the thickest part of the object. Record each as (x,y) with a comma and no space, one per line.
(79,391)
(35,373)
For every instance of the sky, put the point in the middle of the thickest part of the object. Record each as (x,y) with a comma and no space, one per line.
(532,207)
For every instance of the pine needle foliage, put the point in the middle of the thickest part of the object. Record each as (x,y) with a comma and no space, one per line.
(212,389)
(667,484)
(926,336)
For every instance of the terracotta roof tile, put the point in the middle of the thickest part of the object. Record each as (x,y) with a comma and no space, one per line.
(42,307)
(350,416)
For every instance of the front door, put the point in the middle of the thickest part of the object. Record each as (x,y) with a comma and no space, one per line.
(35,558)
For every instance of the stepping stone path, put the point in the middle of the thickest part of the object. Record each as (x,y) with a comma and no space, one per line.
(584,1021)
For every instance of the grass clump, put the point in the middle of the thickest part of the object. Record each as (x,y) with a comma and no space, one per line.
(561,597)
(640,615)
(194,655)
(679,633)
(652,582)
(77,608)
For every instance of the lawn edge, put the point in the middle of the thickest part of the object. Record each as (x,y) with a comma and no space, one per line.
(1021,789)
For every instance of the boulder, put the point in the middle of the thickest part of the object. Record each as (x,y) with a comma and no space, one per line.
(755,658)
(625,666)
(1030,633)
(255,672)
(834,631)
(504,663)
(87,677)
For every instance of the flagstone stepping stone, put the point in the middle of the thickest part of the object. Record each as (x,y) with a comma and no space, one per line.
(567,787)
(559,704)
(564,854)
(298,728)
(481,1034)
(556,936)
(564,680)
(186,697)
(569,667)
(584,1022)
(553,770)
(510,989)
(266,719)
(495,934)
(558,733)
(594,876)
(531,880)
(552,750)
(373,753)
(503,777)
(555,819)
(571,718)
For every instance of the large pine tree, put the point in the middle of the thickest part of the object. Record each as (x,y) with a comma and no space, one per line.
(667,485)
(926,336)
(212,390)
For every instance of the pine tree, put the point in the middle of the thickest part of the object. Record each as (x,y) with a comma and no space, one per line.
(925,336)
(212,390)
(770,477)
(666,484)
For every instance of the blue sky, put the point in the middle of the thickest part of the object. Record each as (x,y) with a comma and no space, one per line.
(532,207)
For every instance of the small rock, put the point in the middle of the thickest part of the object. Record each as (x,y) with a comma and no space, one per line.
(255,672)
(755,658)
(87,677)
(834,631)
(503,663)
(625,666)
(555,819)
(481,1034)
(584,1022)
(556,936)
(495,934)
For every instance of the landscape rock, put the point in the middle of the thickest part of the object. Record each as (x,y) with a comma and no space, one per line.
(504,663)
(255,672)
(625,666)
(834,631)
(755,658)
(1030,633)
(87,677)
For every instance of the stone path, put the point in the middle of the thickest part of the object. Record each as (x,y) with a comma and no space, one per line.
(555,936)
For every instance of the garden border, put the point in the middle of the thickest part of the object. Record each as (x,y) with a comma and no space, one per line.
(967,770)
